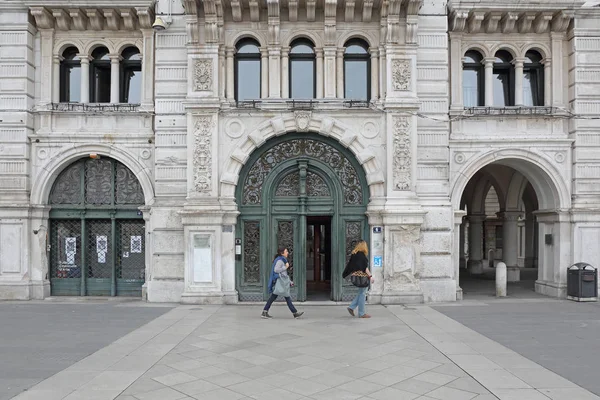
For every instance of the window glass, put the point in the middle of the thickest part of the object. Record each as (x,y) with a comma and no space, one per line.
(70,76)
(471,87)
(131,76)
(100,76)
(303,82)
(248,80)
(355,76)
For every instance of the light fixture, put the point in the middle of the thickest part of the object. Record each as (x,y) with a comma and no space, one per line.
(94,156)
(161,24)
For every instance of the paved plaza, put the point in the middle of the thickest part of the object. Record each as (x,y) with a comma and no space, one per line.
(228,352)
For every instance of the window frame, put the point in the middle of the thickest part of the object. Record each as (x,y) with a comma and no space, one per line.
(539,80)
(246,57)
(126,65)
(95,64)
(302,57)
(503,67)
(67,65)
(480,68)
(358,57)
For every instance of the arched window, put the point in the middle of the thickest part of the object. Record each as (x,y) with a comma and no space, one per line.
(131,76)
(100,76)
(473,79)
(357,71)
(533,79)
(504,78)
(247,70)
(302,70)
(70,76)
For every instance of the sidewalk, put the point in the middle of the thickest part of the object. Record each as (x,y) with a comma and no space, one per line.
(214,352)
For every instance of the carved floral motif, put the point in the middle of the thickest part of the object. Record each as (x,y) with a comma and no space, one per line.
(203,78)
(402,154)
(401,75)
(202,154)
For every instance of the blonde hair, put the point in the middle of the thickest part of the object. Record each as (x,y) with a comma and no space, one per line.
(362,247)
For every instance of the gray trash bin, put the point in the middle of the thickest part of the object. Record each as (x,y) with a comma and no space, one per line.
(582,282)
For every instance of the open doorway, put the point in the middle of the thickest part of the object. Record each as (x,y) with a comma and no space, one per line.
(318,258)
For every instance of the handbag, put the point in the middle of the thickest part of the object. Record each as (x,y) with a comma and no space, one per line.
(360,279)
(282,286)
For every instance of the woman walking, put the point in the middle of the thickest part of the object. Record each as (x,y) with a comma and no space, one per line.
(358,265)
(280,283)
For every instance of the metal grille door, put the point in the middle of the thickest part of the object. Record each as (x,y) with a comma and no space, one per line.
(100,258)
(131,262)
(65,257)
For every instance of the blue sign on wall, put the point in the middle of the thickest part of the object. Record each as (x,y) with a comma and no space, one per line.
(376,229)
(377,261)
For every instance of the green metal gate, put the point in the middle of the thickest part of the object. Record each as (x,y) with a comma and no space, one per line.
(97,234)
(290,180)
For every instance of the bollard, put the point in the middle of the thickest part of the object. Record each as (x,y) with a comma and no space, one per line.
(501,280)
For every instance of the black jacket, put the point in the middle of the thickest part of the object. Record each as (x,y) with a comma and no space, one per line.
(357,262)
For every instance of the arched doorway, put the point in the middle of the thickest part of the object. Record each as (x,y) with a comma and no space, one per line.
(309,194)
(97,245)
(514,212)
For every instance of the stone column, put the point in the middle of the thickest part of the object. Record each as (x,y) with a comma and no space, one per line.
(230,90)
(458,249)
(330,72)
(115,65)
(488,62)
(222,72)
(147,94)
(461,250)
(285,73)
(320,73)
(557,69)
(85,78)
(274,72)
(456,60)
(382,72)
(374,74)
(518,63)
(510,243)
(529,240)
(475,263)
(340,72)
(547,81)
(264,73)
(56,78)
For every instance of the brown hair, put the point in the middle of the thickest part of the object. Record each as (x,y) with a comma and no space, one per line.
(362,247)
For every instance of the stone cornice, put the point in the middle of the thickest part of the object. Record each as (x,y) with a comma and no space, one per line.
(88,3)
(75,18)
(513,21)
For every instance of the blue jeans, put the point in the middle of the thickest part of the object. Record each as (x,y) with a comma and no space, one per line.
(359,301)
(288,300)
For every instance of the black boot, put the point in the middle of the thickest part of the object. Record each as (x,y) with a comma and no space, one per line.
(298,314)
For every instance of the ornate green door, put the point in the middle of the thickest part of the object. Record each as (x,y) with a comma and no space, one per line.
(97,245)
(288,182)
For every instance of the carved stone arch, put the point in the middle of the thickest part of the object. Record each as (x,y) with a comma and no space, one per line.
(547,181)
(303,34)
(324,126)
(512,49)
(480,48)
(40,190)
(94,44)
(233,39)
(541,48)
(61,45)
(516,188)
(126,44)
(357,34)
(480,190)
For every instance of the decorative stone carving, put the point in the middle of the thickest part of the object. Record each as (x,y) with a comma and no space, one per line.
(559,157)
(402,154)
(203,154)
(399,274)
(401,75)
(370,129)
(302,120)
(459,158)
(203,75)
(234,128)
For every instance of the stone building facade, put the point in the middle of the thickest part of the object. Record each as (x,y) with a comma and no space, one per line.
(171,163)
